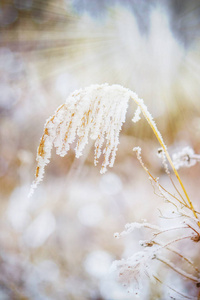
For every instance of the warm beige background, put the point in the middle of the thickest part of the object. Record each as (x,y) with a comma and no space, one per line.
(59,244)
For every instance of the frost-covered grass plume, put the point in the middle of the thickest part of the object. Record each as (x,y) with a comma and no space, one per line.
(98,112)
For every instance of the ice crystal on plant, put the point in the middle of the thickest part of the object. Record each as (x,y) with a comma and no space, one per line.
(162,155)
(131,272)
(136,117)
(129,227)
(98,112)
(184,158)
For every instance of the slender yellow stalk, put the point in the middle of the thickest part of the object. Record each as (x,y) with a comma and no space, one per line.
(159,138)
(97,112)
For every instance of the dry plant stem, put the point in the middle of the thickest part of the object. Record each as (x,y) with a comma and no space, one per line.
(154,179)
(184,204)
(185,296)
(193,229)
(176,240)
(177,271)
(178,177)
(176,188)
(179,254)
(168,158)
(166,246)
(170,229)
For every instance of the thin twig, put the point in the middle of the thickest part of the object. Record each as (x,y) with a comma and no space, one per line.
(179,271)
(179,293)
(159,138)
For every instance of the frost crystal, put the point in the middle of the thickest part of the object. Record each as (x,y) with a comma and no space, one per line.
(97,112)
(137,117)
(185,158)
(130,227)
(131,272)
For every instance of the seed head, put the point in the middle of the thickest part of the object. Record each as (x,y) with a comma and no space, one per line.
(95,112)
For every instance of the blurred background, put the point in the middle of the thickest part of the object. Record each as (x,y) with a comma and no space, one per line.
(59,244)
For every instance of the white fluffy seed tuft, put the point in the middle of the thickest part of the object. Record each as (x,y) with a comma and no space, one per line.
(97,112)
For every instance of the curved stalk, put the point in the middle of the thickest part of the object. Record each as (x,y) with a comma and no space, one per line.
(161,142)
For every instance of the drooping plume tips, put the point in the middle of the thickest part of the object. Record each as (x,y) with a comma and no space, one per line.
(97,112)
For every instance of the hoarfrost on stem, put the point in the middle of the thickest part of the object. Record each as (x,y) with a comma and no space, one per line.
(131,272)
(185,158)
(130,227)
(136,117)
(97,112)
